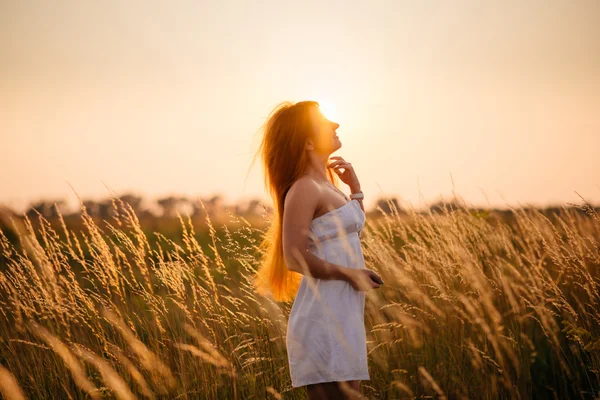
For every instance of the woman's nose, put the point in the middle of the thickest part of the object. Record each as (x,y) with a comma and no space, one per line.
(336,125)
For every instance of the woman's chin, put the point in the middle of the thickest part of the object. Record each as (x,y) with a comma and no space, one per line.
(336,145)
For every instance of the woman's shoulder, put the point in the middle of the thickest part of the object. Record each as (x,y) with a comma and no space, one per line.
(304,188)
(305,183)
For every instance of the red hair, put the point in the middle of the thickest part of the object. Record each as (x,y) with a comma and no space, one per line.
(284,158)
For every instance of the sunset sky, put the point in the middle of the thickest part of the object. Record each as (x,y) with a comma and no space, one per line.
(158,97)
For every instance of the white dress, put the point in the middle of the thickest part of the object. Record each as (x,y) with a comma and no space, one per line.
(326,337)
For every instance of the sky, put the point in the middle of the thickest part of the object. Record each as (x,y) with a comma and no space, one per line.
(496,101)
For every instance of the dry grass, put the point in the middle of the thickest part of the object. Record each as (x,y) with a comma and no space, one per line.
(472,307)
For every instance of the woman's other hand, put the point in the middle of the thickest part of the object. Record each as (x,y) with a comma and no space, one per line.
(363,279)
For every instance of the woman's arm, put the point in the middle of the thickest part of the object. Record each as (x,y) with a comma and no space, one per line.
(299,207)
(300,204)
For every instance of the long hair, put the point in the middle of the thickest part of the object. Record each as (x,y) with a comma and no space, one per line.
(284,159)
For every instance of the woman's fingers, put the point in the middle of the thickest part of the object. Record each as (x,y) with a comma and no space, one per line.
(364,280)
(341,165)
(334,163)
(374,280)
(375,277)
(378,279)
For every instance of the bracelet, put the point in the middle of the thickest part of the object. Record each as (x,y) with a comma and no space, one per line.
(357,196)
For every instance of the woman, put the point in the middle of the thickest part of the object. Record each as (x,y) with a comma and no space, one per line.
(312,251)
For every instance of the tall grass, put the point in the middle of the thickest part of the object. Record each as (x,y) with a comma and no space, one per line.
(472,307)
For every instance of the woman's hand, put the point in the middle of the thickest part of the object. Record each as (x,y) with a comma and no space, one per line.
(348,176)
(363,279)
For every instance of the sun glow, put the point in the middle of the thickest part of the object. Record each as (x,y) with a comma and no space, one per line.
(328,110)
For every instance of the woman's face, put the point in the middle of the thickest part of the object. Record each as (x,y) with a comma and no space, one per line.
(326,137)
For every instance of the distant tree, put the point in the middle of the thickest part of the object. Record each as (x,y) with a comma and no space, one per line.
(146,213)
(215,205)
(169,205)
(49,209)
(441,205)
(134,201)
(388,203)
(92,207)
(172,205)
(102,209)
(106,209)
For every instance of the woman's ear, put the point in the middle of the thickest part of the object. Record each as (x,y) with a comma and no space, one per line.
(310,145)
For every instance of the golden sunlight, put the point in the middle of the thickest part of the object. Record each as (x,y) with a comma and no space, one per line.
(328,110)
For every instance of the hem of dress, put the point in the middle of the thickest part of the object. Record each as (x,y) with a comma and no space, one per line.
(361,377)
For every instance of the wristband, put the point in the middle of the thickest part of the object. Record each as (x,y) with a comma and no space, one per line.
(357,196)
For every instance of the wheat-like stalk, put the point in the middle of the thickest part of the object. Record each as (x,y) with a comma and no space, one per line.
(474,305)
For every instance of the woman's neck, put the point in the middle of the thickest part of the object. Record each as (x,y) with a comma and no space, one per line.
(317,167)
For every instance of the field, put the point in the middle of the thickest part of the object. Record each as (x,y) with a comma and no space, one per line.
(473,306)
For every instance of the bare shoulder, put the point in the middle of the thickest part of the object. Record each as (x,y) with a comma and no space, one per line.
(304,193)
(304,187)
